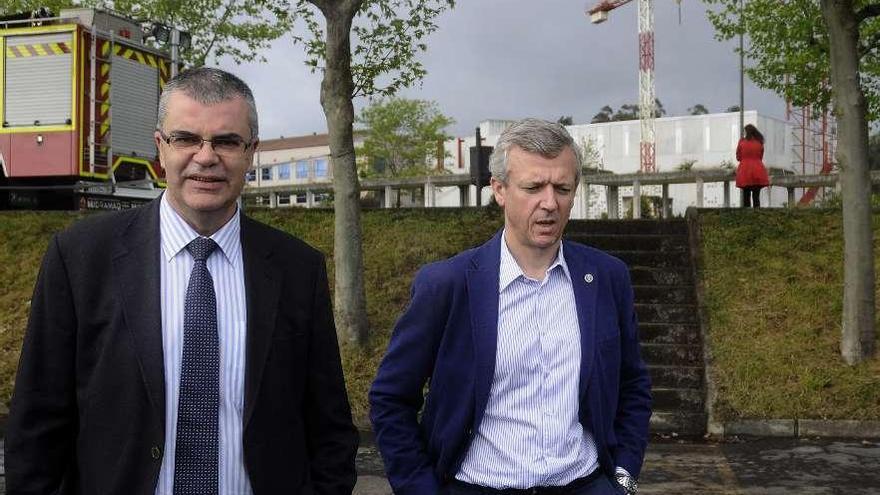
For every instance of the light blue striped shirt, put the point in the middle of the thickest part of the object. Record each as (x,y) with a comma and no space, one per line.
(530,434)
(227,271)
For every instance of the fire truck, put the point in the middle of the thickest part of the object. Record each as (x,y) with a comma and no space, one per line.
(78,102)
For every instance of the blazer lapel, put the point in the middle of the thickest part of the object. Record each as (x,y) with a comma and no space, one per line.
(137,273)
(584,283)
(262,292)
(482,287)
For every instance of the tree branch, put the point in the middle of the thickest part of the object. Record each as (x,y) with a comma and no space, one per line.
(223,20)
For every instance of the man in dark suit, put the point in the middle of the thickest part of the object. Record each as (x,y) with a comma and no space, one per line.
(530,348)
(181,347)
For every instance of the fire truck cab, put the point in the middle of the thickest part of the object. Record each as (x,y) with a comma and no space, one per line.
(78,106)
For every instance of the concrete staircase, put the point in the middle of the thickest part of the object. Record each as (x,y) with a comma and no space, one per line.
(658,255)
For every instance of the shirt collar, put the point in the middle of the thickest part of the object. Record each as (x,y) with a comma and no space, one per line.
(510,269)
(177,234)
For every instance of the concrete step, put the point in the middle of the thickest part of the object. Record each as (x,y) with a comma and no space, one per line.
(669,333)
(658,294)
(676,376)
(644,242)
(672,354)
(654,259)
(666,313)
(682,423)
(628,227)
(645,275)
(678,399)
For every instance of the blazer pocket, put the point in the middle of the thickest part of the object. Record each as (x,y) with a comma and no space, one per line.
(291,325)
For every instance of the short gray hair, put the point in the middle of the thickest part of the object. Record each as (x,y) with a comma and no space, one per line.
(209,86)
(541,137)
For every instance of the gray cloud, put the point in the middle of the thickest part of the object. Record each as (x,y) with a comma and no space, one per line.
(517,58)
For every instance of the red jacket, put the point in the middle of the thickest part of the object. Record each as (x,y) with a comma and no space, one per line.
(751,171)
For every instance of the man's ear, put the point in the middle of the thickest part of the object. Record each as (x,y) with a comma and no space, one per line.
(498,189)
(158,140)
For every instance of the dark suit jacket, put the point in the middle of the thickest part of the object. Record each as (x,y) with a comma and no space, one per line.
(88,411)
(448,334)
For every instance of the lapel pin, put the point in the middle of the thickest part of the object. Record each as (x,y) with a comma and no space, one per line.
(588,278)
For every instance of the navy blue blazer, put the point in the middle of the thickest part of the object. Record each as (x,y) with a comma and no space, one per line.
(447,337)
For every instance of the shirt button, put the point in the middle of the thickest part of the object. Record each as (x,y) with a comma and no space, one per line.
(156,452)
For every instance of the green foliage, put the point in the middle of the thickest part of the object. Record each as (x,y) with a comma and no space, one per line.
(591,154)
(789,50)
(698,109)
(874,151)
(565,120)
(240,29)
(604,115)
(403,135)
(387,37)
(686,165)
(627,111)
(773,281)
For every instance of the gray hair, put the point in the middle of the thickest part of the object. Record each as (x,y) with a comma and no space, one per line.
(209,86)
(544,138)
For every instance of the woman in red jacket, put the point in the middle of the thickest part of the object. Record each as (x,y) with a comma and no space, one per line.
(751,175)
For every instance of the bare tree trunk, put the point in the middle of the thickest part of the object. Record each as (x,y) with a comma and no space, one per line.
(858,337)
(336,93)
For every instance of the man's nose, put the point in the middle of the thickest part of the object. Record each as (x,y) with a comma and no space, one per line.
(548,198)
(206,154)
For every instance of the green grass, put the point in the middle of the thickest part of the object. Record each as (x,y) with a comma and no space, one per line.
(774,283)
(396,244)
(23,240)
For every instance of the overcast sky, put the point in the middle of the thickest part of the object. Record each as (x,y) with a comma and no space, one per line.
(511,59)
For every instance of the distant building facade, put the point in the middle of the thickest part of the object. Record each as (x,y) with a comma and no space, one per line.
(695,142)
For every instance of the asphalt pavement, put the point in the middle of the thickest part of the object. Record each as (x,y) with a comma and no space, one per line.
(737,466)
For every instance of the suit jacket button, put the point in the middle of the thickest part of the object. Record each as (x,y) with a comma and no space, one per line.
(156,452)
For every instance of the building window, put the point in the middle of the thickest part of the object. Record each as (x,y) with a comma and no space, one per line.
(283,171)
(302,169)
(284,199)
(321,168)
(301,198)
(266,173)
(251,175)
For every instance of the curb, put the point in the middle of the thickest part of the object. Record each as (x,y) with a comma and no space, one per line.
(797,428)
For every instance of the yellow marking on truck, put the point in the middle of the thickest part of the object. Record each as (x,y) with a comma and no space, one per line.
(37,50)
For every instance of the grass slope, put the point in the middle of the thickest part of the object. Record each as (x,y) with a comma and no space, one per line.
(773,280)
(774,283)
(396,244)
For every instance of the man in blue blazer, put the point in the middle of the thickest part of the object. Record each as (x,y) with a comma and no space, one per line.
(529,346)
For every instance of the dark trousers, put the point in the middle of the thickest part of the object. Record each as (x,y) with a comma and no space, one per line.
(601,485)
(751,197)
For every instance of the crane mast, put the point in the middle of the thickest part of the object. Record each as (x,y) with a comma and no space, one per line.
(647,101)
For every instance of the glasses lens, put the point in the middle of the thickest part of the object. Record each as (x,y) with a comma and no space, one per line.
(185,141)
(229,145)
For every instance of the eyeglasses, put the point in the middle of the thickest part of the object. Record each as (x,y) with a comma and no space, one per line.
(231,145)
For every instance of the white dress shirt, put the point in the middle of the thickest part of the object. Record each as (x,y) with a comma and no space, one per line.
(530,434)
(227,271)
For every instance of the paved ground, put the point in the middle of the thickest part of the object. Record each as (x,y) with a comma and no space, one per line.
(767,466)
